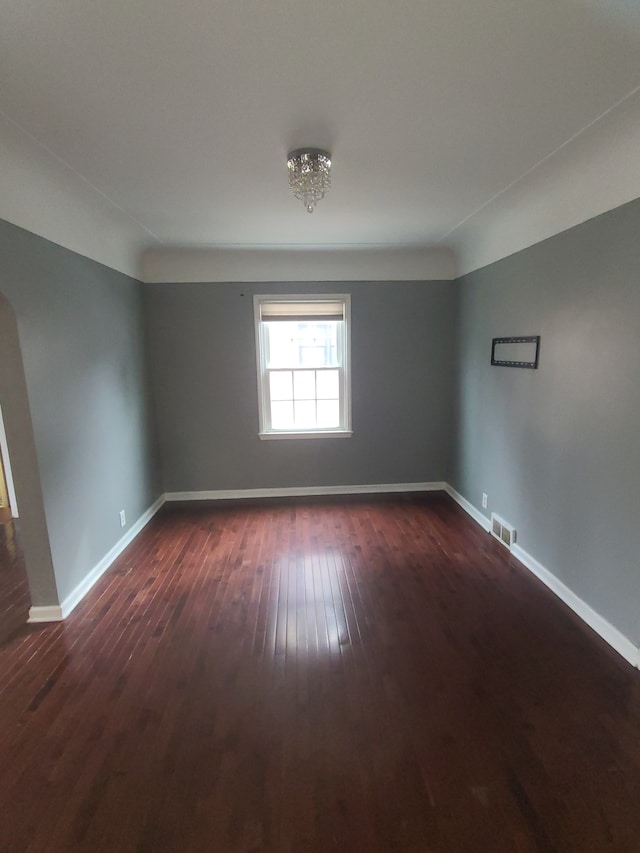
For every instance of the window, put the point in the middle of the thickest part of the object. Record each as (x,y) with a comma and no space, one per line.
(302,345)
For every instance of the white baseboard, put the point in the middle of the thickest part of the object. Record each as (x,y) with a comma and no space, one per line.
(611,635)
(469,508)
(57,612)
(304,491)
(593,619)
(46,613)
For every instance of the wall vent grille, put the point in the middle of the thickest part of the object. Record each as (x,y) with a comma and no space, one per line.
(502,531)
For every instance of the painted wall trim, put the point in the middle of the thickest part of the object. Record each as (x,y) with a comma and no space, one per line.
(593,619)
(604,629)
(469,508)
(304,491)
(596,171)
(58,612)
(46,613)
(302,263)
(55,613)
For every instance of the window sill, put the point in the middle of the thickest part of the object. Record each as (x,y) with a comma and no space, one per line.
(329,433)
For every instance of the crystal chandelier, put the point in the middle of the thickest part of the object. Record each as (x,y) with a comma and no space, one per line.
(309,175)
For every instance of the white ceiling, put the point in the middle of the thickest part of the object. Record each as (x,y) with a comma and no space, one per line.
(181,113)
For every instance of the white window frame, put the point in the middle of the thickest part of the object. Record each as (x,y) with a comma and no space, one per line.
(344,359)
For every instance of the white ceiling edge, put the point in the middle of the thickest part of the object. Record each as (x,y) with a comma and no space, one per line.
(42,194)
(595,172)
(374,263)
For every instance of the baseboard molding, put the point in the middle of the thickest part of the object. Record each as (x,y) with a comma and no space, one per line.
(610,634)
(55,613)
(469,508)
(594,620)
(46,613)
(304,491)
(58,612)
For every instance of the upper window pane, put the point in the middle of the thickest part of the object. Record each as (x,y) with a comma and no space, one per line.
(300,344)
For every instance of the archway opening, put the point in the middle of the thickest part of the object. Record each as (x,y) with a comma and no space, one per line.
(26,572)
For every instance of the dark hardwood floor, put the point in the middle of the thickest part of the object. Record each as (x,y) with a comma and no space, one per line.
(14,590)
(354,675)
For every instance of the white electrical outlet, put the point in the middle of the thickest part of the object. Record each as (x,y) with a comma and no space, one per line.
(484,500)
(123,518)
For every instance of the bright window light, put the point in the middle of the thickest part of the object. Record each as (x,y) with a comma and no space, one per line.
(302,345)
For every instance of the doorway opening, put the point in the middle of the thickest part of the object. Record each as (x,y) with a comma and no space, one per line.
(8,503)
(14,587)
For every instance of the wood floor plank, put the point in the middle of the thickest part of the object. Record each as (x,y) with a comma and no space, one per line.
(365,674)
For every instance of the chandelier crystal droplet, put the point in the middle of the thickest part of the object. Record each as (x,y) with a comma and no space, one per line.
(309,175)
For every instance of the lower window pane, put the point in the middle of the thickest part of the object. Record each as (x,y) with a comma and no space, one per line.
(328,413)
(282,415)
(305,414)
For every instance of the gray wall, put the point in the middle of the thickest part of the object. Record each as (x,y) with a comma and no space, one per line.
(81,338)
(202,350)
(557,449)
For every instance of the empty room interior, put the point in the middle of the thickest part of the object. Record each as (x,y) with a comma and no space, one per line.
(319,419)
